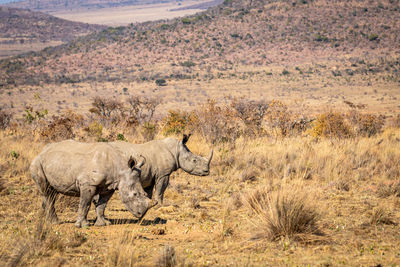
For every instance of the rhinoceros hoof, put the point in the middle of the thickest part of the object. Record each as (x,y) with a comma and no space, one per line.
(82,224)
(102,222)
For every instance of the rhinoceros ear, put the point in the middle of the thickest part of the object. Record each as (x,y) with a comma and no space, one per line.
(131,163)
(141,162)
(185,138)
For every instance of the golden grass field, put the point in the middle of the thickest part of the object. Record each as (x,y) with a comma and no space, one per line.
(117,16)
(351,184)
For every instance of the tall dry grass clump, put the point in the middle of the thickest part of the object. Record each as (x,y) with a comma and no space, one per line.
(40,242)
(122,252)
(167,257)
(283,213)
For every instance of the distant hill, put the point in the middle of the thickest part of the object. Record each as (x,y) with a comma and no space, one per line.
(235,33)
(22,26)
(205,5)
(53,5)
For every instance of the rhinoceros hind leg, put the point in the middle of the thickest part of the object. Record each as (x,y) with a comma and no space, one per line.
(49,199)
(100,202)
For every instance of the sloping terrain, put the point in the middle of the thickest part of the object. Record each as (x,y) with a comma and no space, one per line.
(22,27)
(230,35)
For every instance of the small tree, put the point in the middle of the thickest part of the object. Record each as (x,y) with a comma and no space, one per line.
(108,109)
(252,114)
(141,109)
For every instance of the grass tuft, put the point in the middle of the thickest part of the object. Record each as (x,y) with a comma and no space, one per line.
(388,189)
(282,213)
(380,215)
(167,257)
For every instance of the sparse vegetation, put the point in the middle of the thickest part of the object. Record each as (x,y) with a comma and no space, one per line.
(301,193)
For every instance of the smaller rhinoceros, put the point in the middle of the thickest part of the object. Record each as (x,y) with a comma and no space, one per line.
(163,157)
(92,171)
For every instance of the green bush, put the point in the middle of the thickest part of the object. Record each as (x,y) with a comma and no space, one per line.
(161,82)
(188,63)
(373,37)
(186,21)
(121,137)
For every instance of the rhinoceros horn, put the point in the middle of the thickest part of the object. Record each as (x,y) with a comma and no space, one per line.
(210,156)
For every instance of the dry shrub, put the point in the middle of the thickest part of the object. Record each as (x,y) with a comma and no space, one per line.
(252,114)
(5,118)
(217,123)
(167,257)
(331,125)
(141,110)
(366,124)
(388,189)
(278,118)
(61,127)
(176,122)
(95,129)
(381,215)
(107,109)
(286,212)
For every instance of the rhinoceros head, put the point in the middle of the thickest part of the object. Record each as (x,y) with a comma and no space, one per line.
(131,191)
(190,162)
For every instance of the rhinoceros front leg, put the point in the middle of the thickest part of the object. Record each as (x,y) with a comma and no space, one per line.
(86,196)
(100,202)
(160,186)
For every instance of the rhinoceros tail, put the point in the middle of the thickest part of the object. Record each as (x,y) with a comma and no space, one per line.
(39,177)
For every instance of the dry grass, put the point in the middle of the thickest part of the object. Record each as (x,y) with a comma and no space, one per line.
(285,213)
(205,219)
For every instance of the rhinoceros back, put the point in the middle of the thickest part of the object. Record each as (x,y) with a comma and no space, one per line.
(67,163)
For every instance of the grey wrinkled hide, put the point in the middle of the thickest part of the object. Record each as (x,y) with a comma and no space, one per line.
(92,171)
(162,158)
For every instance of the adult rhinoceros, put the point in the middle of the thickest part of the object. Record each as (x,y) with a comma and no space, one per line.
(162,158)
(88,170)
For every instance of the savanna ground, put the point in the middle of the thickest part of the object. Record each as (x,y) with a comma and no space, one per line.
(324,192)
(311,87)
(117,16)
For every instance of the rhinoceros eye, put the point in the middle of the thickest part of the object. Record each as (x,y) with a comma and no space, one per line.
(194,160)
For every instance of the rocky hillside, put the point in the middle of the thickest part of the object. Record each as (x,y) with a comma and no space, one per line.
(235,33)
(19,26)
